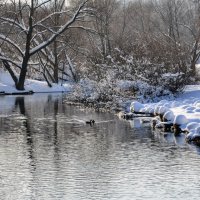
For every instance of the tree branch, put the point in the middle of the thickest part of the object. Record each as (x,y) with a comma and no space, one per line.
(60,31)
(14,22)
(10,61)
(6,39)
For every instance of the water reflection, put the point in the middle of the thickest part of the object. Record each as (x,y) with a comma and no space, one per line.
(48,152)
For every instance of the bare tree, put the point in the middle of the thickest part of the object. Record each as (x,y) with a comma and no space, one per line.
(25,35)
(179,29)
(102,21)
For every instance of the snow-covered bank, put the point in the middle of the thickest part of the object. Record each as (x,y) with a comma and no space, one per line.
(184,112)
(7,86)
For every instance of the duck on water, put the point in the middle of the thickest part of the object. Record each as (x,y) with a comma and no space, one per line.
(91,122)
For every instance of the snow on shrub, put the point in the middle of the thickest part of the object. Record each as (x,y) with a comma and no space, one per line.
(90,90)
(148,81)
(136,106)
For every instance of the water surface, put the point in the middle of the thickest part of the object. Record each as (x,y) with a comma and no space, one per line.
(48,152)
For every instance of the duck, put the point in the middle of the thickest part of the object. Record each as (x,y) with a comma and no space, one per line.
(91,122)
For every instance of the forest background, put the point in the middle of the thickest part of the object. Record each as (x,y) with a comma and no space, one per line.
(146,48)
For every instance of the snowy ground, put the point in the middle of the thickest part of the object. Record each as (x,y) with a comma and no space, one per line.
(7,86)
(183,111)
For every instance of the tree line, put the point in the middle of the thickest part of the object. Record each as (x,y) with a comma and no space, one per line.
(155,41)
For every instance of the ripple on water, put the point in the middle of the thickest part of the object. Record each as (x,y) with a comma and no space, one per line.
(50,153)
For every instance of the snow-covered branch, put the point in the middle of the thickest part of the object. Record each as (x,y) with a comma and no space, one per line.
(85,29)
(6,39)
(39,23)
(60,31)
(18,65)
(14,22)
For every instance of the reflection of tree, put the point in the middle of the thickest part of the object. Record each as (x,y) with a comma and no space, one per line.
(55,126)
(50,109)
(52,105)
(20,103)
(38,134)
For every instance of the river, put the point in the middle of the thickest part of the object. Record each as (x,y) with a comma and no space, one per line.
(47,152)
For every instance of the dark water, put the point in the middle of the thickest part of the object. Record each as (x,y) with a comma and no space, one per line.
(47,152)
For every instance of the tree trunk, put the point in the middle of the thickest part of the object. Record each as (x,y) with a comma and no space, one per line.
(22,76)
(55,73)
(10,71)
(20,84)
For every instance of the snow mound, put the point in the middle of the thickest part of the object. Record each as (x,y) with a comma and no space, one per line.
(136,106)
(194,134)
(180,120)
(192,126)
(149,110)
(175,104)
(169,116)
(190,135)
(197,104)
(162,110)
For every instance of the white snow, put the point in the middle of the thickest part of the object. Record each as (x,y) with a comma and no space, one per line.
(7,85)
(192,126)
(180,120)
(163,110)
(169,116)
(136,107)
(183,111)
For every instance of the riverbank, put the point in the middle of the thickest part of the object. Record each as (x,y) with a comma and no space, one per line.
(7,86)
(103,97)
(89,98)
(182,113)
